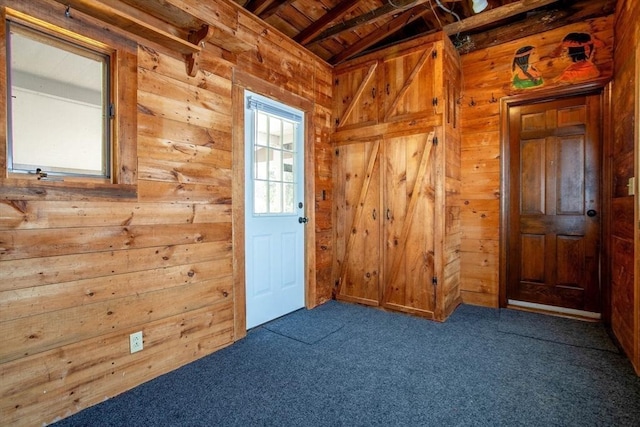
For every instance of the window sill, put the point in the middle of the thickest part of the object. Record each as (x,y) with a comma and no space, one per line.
(31,189)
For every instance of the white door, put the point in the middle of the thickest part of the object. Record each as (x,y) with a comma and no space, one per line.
(274,215)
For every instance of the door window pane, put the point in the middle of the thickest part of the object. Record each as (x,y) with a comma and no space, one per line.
(261,162)
(275,197)
(288,136)
(274,165)
(287,167)
(275,132)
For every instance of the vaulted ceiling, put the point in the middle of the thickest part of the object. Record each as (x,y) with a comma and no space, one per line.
(337,30)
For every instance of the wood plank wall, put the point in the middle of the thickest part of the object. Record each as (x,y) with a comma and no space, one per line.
(487,76)
(77,277)
(625,293)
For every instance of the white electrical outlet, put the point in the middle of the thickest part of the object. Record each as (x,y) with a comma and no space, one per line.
(135,341)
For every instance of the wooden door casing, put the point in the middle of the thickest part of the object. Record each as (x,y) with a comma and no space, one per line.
(554,179)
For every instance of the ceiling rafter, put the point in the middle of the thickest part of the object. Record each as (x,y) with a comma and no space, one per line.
(265,8)
(493,15)
(274,8)
(318,26)
(366,18)
(381,33)
(338,28)
(545,20)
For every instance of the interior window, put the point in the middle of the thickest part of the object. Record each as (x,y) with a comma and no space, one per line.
(58,105)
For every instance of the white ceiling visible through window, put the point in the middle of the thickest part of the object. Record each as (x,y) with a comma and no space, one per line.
(55,64)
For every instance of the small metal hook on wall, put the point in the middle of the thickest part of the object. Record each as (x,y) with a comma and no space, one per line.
(472,103)
(67,12)
(493,99)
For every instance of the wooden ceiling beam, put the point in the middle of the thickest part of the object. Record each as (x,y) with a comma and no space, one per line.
(367,18)
(318,26)
(490,16)
(257,6)
(274,8)
(265,8)
(543,21)
(381,33)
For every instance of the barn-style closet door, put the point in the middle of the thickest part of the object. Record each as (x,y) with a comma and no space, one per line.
(409,84)
(355,95)
(409,214)
(357,168)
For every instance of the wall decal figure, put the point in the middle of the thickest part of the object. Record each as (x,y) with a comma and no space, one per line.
(580,47)
(525,75)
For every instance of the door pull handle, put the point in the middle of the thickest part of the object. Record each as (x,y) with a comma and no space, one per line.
(303,220)
(591,213)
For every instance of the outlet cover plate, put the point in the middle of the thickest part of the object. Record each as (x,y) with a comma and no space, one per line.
(135,341)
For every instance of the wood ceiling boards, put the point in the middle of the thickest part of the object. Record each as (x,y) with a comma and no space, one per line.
(338,30)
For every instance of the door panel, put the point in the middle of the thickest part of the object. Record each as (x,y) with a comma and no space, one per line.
(409,197)
(358,228)
(354,96)
(409,84)
(553,244)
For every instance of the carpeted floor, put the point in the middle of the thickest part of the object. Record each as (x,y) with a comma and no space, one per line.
(348,365)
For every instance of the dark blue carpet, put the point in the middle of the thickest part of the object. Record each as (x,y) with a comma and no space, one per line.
(556,329)
(374,368)
(308,326)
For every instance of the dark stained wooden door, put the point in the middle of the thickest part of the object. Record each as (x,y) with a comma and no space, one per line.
(554,203)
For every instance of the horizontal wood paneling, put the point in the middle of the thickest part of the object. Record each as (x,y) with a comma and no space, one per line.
(38,386)
(51,242)
(488,78)
(78,275)
(38,214)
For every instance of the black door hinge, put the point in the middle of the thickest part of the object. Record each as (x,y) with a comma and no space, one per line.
(112,111)
(434,101)
(434,281)
(434,54)
(435,140)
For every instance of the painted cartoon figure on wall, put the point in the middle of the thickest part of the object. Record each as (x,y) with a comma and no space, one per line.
(525,75)
(580,47)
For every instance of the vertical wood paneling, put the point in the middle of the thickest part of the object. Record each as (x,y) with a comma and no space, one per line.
(624,257)
(78,276)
